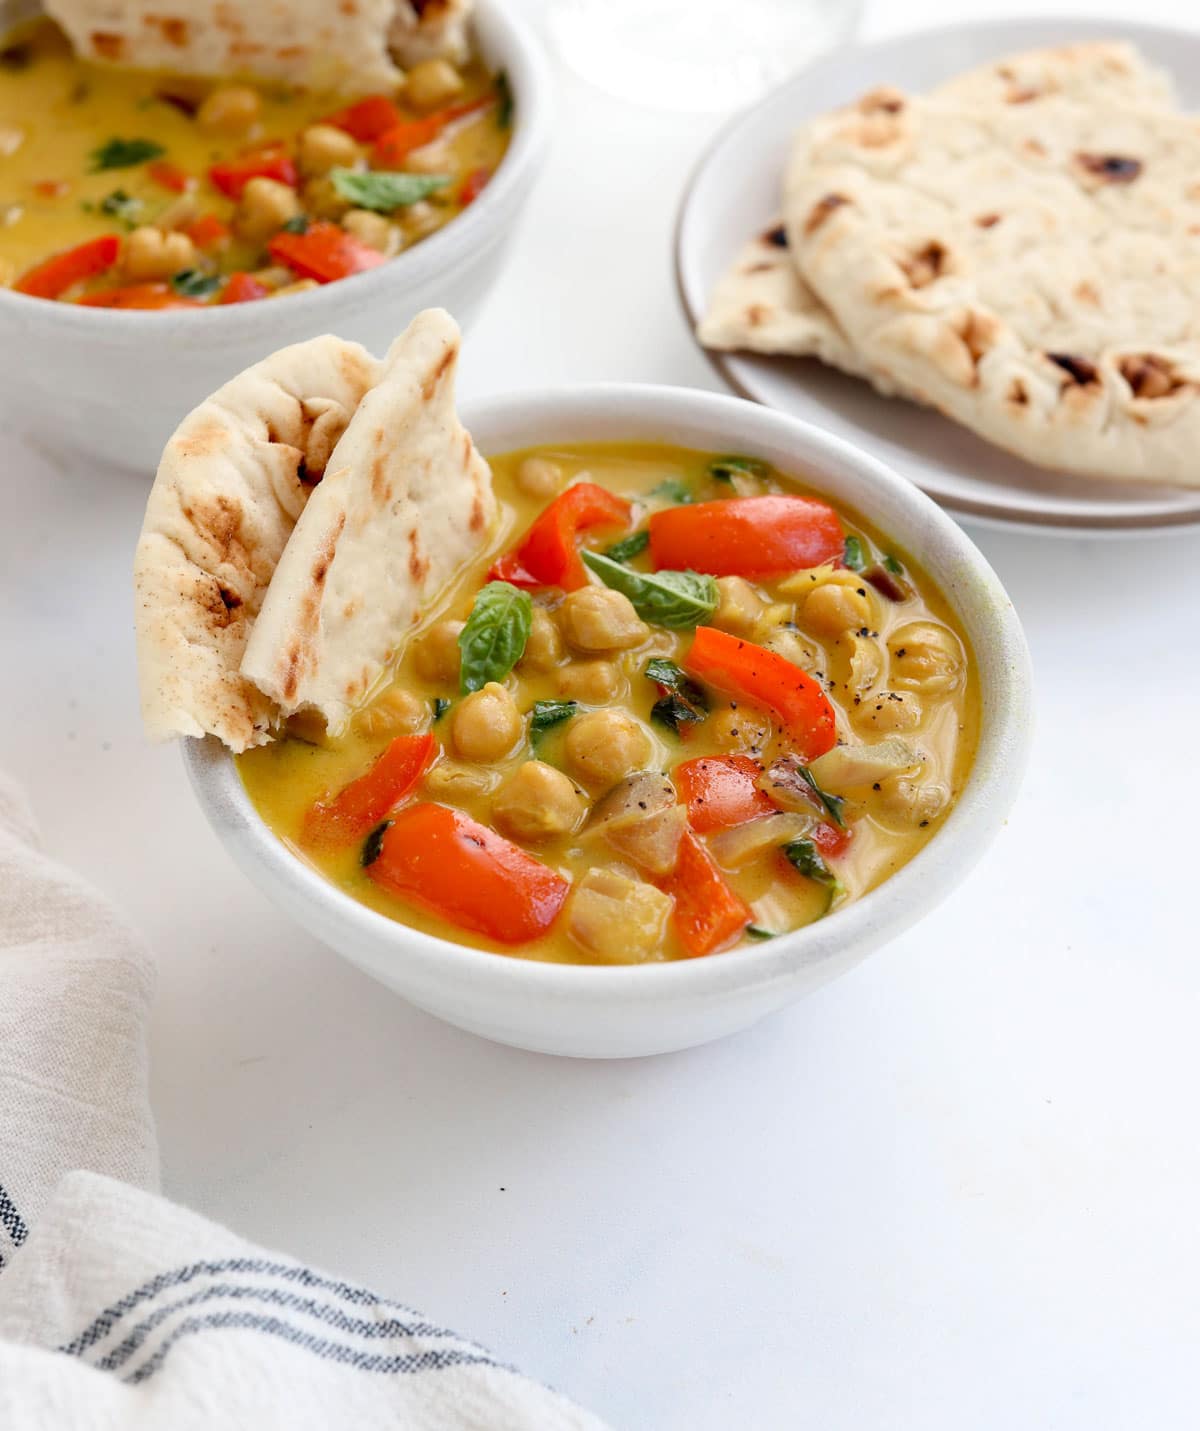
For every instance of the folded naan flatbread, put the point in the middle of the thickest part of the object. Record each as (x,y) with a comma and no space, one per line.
(431,30)
(405,503)
(313,44)
(232,482)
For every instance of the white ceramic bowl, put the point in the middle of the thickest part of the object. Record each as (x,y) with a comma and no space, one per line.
(112,384)
(616,1012)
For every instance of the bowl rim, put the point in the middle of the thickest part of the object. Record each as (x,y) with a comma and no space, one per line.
(902,899)
(521,55)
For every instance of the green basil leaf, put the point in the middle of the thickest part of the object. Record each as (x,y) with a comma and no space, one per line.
(440,706)
(855,556)
(297,224)
(675,599)
(504,110)
(672,490)
(373,844)
(724,469)
(628,547)
(122,206)
(124,154)
(683,702)
(806,859)
(493,640)
(546,715)
(892,564)
(192,283)
(755,931)
(832,803)
(384,190)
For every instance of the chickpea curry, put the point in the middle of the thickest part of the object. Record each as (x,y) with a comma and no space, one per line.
(131,189)
(676,707)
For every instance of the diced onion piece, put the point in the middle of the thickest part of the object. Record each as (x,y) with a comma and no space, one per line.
(743,843)
(846,767)
(641,819)
(619,919)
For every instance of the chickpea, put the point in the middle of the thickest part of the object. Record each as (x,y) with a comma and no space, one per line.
(738,728)
(740,606)
(486,725)
(419,219)
(151,254)
(926,657)
(539,477)
(429,159)
(322,199)
(274,275)
(232,109)
(864,662)
(179,213)
(324,147)
(888,711)
(793,648)
(372,229)
(437,655)
(395,712)
(592,682)
(537,802)
(544,649)
(596,618)
(432,82)
(910,802)
(265,207)
(458,784)
(833,608)
(605,746)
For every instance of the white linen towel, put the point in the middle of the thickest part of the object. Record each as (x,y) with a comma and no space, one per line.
(119,1309)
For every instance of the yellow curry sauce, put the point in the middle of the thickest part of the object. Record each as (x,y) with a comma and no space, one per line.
(125,188)
(879,641)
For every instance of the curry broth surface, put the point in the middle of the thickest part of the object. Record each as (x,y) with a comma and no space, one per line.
(58,109)
(285,777)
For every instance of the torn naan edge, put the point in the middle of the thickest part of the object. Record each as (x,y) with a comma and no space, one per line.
(431,30)
(405,503)
(762,304)
(307,43)
(232,481)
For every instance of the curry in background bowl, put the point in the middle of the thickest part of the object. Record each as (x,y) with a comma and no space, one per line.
(137,190)
(676,707)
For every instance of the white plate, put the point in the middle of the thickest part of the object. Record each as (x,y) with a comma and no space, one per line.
(734,193)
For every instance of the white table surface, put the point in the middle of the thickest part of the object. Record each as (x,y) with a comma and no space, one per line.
(957,1189)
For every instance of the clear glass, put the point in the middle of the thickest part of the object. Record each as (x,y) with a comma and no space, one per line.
(696,55)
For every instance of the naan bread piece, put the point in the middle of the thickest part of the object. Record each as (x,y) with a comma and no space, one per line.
(758,308)
(431,30)
(1109,71)
(405,503)
(233,479)
(308,43)
(1032,270)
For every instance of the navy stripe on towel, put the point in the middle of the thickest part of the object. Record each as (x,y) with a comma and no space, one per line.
(330,1316)
(179,1276)
(327,1351)
(11,1220)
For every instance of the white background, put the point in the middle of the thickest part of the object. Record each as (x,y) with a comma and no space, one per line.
(958,1189)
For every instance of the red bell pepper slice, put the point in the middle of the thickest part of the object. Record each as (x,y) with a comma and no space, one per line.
(207,231)
(548,553)
(368,119)
(169,176)
(244,288)
(831,841)
(720,791)
(708,914)
(324,252)
(397,143)
(473,185)
(272,162)
(138,295)
(764,678)
(746,536)
(358,807)
(445,862)
(52,278)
